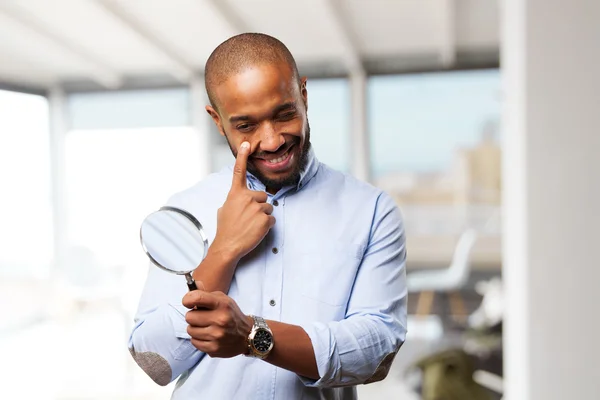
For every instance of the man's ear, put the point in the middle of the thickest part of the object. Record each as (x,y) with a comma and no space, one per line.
(304,92)
(216,119)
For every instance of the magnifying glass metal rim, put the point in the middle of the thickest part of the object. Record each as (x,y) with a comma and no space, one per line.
(200,230)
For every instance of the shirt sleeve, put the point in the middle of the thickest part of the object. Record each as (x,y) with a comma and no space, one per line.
(159,342)
(360,348)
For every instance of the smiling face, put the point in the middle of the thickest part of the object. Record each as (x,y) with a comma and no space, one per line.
(266,106)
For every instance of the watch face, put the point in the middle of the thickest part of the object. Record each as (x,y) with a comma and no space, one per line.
(262,340)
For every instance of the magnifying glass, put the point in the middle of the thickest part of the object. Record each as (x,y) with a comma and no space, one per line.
(174,240)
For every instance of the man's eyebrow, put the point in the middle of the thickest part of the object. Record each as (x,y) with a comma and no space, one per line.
(290,105)
(238,118)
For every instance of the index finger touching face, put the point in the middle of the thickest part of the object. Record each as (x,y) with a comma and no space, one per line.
(239,169)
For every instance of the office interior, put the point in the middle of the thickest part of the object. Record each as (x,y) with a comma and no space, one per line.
(480,119)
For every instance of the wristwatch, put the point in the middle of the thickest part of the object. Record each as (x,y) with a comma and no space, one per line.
(260,339)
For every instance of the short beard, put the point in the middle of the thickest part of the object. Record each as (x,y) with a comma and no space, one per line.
(294,177)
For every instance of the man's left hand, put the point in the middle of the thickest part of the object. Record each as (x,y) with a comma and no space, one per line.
(217,325)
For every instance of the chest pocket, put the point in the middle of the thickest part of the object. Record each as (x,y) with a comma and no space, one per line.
(327,272)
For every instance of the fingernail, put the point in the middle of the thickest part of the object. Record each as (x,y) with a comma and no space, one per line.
(245,146)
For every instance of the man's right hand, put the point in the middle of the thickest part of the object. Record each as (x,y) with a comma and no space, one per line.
(245,218)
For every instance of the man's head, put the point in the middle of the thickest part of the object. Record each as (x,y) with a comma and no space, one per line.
(257,95)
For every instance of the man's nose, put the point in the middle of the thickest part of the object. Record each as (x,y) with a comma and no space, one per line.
(270,140)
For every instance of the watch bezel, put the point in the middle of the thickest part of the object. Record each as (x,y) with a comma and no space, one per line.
(254,350)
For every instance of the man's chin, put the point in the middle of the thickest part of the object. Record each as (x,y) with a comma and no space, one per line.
(278,180)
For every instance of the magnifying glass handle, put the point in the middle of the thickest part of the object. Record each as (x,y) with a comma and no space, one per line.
(191,283)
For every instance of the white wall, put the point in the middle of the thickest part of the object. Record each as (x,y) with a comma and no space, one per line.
(551,61)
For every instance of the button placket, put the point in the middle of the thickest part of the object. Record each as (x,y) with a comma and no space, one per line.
(272,293)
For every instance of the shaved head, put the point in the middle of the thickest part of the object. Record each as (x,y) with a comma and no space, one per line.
(242,52)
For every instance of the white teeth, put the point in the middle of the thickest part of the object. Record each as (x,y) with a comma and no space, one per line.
(278,160)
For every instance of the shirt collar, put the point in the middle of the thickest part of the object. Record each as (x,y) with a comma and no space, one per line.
(312,166)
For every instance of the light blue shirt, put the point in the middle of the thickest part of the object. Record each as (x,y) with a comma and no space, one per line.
(338,271)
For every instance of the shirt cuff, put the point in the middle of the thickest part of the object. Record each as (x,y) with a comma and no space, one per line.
(324,345)
(351,352)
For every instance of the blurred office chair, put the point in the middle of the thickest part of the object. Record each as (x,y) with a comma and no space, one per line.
(490,312)
(450,374)
(450,280)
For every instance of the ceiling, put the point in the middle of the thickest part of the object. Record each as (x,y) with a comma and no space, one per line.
(108,44)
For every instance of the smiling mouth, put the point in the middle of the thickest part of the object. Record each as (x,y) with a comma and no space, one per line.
(280,163)
(279,159)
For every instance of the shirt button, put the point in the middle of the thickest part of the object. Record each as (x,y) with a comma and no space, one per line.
(272,303)
(275,250)
(275,203)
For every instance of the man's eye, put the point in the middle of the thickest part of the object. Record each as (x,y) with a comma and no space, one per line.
(243,127)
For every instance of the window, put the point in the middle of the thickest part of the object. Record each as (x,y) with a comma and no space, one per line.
(26,213)
(26,234)
(116,177)
(329,117)
(435,149)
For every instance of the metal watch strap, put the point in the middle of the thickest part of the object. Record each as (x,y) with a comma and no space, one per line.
(259,322)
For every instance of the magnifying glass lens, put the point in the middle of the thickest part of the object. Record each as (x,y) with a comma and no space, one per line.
(174,241)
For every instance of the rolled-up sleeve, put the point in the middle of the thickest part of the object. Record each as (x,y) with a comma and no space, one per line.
(360,348)
(159,342)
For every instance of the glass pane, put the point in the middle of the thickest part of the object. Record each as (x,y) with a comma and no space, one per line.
(26,212)
(329,117)
(26,236)
(132,109)
(115,178)
(418,121)
(435,148)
